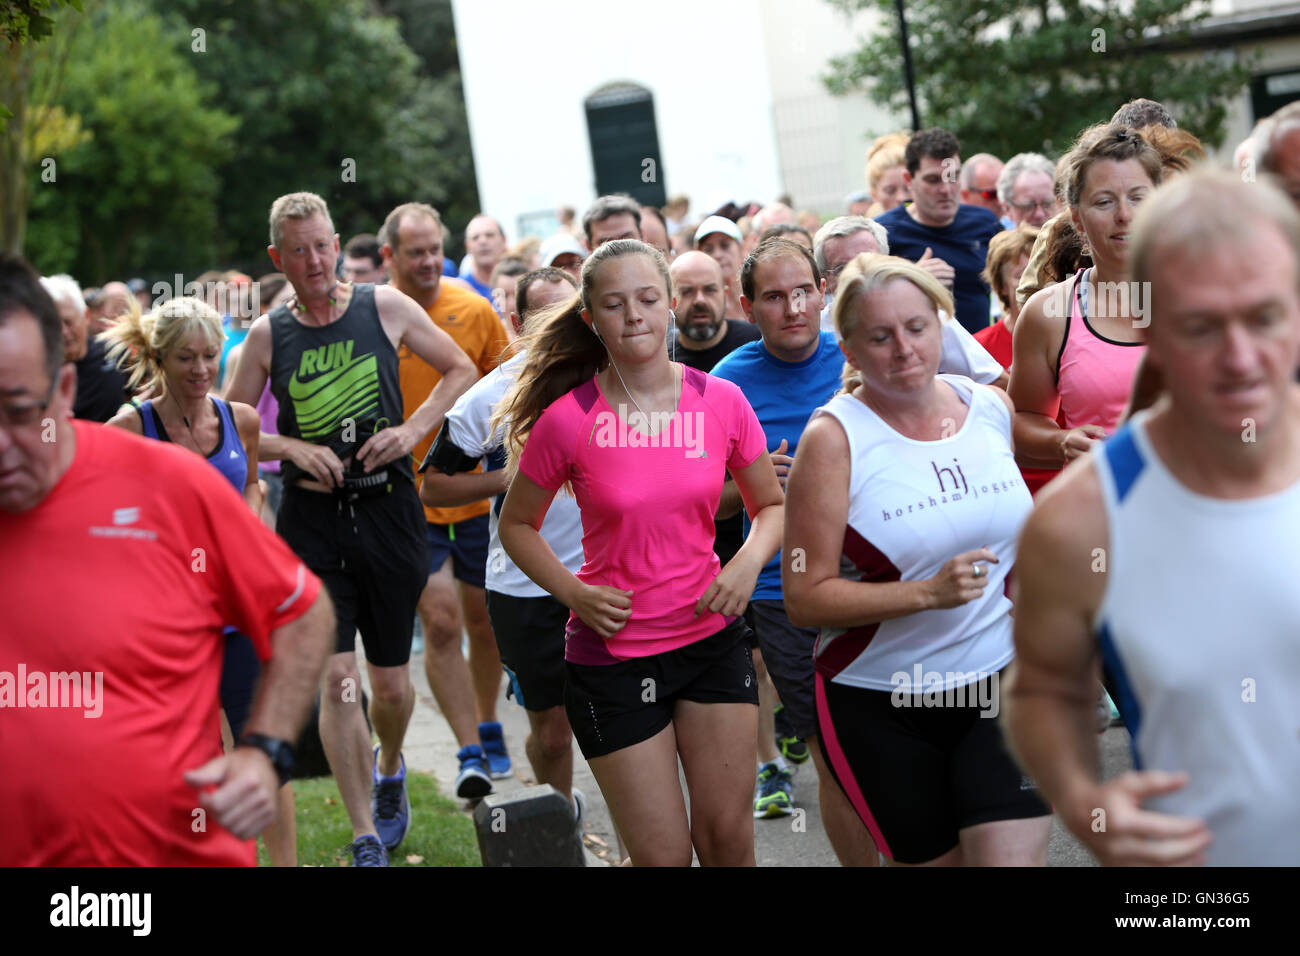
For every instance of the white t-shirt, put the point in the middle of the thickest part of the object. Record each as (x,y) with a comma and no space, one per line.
(467,429)
(913,505)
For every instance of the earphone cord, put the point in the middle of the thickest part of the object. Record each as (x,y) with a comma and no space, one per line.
(644,416)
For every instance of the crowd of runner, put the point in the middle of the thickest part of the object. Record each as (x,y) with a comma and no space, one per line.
(930,494)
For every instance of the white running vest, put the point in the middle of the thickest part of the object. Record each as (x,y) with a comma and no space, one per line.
(467,429)
(1200,633)
(914,505)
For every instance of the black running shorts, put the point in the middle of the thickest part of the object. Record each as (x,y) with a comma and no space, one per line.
(372,554)
(917,774)
(613,706)
(530,637)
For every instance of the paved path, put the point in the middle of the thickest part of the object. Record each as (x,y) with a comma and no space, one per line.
(786,841)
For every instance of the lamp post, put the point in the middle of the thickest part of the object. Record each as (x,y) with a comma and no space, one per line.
(907,66)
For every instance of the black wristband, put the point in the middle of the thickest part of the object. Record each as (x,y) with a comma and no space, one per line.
(280,752)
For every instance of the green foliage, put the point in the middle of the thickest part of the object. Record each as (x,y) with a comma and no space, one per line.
(320,83)
(143,189)
(1013,75)
(23,20)
(175,123)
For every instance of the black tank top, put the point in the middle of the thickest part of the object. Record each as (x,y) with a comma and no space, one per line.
(337,384)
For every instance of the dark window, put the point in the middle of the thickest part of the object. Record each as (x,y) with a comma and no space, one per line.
(625,143)
(1272,91)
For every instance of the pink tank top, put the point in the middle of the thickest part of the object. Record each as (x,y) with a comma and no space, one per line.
(1094,374)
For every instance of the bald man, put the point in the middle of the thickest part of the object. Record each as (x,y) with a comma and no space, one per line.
(702,336)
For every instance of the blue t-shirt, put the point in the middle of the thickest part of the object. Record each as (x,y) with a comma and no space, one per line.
(236,331)
(963,244)
(483,290)
(784,395)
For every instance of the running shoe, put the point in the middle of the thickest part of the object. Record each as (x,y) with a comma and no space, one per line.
(787,741)
(473,780)
(494,748)
(390,805)
(775,792)
(368,851)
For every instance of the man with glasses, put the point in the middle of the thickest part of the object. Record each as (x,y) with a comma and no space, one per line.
(122,560)
(979,182)
(1026,189)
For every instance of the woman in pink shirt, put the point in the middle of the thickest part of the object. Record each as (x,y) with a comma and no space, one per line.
(657,655)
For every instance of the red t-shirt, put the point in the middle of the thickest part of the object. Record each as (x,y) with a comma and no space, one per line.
(996,340)
(125,575)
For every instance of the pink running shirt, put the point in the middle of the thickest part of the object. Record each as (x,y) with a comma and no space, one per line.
(1094,374)
(647,506)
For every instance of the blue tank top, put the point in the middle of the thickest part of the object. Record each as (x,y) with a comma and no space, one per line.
(229,458)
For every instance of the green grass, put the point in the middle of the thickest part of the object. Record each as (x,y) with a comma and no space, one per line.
(440,835)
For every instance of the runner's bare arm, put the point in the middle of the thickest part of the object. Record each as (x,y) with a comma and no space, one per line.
(408,324)
(1036,343)
(761,491)
(604,609)
(247,384)
(249,425)
(127,418)
(243,800)
(1033,382)
(1052,692)
(449,491)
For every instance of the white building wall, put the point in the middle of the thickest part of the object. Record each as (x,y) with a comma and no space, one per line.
(822,139)
(527,68)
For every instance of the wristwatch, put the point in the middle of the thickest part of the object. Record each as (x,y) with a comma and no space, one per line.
(280,752)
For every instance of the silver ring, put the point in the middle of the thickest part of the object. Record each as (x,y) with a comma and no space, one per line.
(978,572)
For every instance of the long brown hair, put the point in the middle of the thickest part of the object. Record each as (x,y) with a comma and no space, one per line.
(562,351)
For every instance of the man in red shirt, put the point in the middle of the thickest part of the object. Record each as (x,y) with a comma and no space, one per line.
(123,559)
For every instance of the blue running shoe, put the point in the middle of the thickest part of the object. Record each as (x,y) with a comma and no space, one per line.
(494,748)
(473,781)
(389,804)
(368,851)
(775,792)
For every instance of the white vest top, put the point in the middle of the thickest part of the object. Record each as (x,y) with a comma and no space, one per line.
(1200,633)
(467,429)
(914,505)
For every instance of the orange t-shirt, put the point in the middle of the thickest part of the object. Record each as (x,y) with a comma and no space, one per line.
(469,319)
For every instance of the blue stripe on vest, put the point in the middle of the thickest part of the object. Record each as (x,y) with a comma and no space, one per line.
(1127,702)
(1124,459)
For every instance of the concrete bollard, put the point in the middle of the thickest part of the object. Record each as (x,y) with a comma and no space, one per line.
(529,827)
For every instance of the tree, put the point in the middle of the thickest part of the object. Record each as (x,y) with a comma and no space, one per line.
(1009,76)
(333,102)
(22,21)
(141,196)
(430,31)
